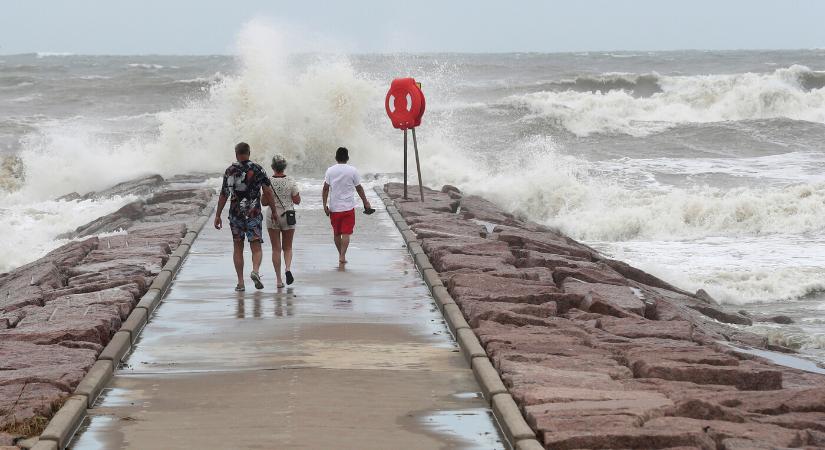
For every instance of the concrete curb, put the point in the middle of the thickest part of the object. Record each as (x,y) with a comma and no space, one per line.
(150,300)
(431,277)
(135,323)
(181,251)
(162,281)
(415,248)
(421,260)
(488,378)
(468,342)
(44,445)
(455,319)
(529,444)
(409,236)
(66,421)
(117,348)
(442,297)
(190,237)
(172,264)
(508,416)
(95,380)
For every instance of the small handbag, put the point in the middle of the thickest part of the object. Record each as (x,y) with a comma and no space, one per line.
(289,214)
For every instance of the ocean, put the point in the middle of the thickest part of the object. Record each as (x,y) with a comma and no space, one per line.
(706,168)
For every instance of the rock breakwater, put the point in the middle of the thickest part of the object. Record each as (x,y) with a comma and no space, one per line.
(599,354)
(58,312)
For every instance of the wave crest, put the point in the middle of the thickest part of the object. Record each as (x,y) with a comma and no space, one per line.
(794,93)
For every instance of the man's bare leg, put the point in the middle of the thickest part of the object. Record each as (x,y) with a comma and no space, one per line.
(237,258)
(342,251)
(337,239)
(257,255)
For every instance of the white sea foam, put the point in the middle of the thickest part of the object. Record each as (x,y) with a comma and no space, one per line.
(304,114)
(733,269)
(31,226)
(145,66)
(684,99)
(94,77)
(593,204)
(50,54)
(791,167)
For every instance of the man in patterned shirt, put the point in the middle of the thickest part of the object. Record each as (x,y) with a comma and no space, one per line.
(243,183)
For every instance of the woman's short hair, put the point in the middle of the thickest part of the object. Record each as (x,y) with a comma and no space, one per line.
(278,163)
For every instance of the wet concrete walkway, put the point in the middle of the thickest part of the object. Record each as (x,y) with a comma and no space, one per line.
(355,358)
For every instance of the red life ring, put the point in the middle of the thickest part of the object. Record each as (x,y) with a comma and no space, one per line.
(405,103)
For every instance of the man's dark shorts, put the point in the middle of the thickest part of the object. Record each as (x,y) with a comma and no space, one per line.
(251,227)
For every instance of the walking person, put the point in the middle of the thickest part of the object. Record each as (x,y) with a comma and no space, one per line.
(341,183)
(244,182)
(280,219)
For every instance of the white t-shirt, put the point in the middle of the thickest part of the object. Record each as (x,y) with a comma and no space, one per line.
(342,179)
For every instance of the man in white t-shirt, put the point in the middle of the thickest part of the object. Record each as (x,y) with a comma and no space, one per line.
(341,182)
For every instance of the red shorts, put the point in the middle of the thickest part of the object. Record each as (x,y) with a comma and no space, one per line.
(342,222)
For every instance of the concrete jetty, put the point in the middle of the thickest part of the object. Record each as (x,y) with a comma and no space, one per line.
(348,357)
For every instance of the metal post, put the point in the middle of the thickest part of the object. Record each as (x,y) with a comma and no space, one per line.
(418,167)
(405,164)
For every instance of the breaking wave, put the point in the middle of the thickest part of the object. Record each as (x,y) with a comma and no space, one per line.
(303,113)
(584,108)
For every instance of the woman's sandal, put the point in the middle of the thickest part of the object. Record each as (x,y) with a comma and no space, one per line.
(289,278)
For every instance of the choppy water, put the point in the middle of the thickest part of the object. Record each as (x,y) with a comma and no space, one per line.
(703,167)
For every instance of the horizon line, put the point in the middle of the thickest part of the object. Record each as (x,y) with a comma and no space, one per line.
(440,52)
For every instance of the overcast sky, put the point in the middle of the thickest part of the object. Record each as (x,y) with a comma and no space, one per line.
(211,27)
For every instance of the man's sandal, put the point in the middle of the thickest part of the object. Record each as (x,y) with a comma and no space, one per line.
(257,280)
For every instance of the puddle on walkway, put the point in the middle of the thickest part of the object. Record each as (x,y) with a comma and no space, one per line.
(474,427)
(99,432)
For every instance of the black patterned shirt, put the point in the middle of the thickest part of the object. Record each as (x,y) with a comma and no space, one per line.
(242,183)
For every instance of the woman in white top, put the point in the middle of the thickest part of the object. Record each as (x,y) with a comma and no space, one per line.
(280,232)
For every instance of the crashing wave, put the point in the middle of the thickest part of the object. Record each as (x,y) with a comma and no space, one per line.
(794,93)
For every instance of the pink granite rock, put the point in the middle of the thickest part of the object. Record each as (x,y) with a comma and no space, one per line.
(476,311)
(447,229)
(140,186)
(654,436)
(482,287)
(475,207)
(201,196)
(454,261)
(543,242)
(22,401)
(719,431)
(606,298)
(121,219)
(596,273)
(62,367)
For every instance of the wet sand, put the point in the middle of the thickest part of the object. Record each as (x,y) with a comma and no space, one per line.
(345,358)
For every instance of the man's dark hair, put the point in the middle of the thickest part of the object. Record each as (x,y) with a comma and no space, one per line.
(342,155)
(242,148)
